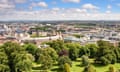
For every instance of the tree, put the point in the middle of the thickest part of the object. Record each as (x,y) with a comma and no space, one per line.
(53,54)
(66,67)
(31,48)
(23,62)
(117,53)
(15,59)
(105,54)
(89,68)
(84,51)
(3,58)
(108,59)
(85,60)
(104,60)
(62,60)
(4,67)
(111,69)
(58,45)
(9,49)
(45,61)
(37,55)
(46,57)
(73,51)
(92,49)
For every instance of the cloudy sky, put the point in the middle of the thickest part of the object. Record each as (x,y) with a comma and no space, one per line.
(59,10)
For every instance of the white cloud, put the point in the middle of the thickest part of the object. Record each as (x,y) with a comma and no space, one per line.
(75,10)
(39,4)
(81,10)
(56,9)
(42,4)
(89,6)
(20,1)
(60,14)
(86,12)
(3,1)
(108,11)
(74,1)
(109,6)
(6,6)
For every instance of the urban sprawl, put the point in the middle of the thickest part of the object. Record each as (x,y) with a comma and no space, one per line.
(81,32)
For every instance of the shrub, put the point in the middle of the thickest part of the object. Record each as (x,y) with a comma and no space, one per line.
(89,68)
(66,67)
(85,60)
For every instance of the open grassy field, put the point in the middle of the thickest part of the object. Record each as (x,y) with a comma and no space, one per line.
(76,67)
(34,35)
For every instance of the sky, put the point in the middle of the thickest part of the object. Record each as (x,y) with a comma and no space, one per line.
(59,10)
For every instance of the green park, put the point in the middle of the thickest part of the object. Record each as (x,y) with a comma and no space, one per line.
(60,56)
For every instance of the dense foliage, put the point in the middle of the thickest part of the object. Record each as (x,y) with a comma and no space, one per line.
(46,57)
(20,58)
(73,50)
(62,60)
(105,54)
(13,58)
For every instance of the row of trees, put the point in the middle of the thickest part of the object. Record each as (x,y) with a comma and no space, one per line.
(103,52)
(17,58)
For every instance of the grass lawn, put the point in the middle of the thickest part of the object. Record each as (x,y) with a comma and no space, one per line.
(76,67)
(34,36)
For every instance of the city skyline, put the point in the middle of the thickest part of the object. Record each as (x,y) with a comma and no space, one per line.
(59,10)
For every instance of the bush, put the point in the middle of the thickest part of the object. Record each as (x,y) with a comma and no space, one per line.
(62,60)
(66,67)
(104,61)
(73,50)
(84,51)
(89,68)
(111,69)
(85,60)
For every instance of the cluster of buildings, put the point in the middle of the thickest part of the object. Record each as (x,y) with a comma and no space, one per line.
(94,35)
(21,33)
(12,33)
